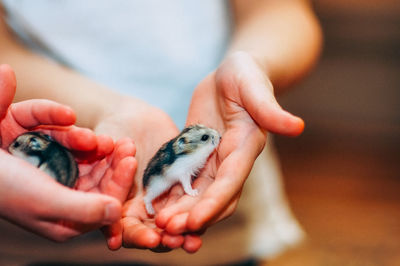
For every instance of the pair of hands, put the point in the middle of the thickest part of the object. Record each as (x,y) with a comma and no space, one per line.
(237,100)
(33,200)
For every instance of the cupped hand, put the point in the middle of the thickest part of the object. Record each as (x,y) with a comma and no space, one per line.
(34,201)
(150,128)
(106,171)
(237,100)
(112,176)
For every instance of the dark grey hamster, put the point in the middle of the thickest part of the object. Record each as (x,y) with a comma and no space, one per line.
(48,155)
(177,161)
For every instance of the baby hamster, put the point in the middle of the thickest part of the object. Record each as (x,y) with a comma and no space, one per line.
(48,155)
(177,161)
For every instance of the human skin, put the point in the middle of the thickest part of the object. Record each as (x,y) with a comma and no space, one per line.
(266,57)
(274,44)
(107,113)
(32,199)
(238,99)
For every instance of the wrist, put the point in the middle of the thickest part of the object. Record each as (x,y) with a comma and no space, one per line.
(259,59)
(131,117)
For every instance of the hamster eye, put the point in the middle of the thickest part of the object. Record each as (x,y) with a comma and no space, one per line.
(16,144)
(204,137)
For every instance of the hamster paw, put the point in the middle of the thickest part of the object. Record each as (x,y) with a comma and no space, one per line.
(193,192)
(149,208)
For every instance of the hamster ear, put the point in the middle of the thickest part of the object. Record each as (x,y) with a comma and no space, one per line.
(47,137)
(181,144)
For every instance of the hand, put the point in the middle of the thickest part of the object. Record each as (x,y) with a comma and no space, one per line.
(150,128)
(113,176)
(21,117)
(238,101)
(35,201)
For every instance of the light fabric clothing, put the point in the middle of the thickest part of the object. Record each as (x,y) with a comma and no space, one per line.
(155,50)
(158,51)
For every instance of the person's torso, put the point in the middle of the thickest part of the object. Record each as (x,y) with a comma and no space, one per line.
(155,50)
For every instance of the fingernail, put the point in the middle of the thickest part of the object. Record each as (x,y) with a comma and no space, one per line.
(112,212)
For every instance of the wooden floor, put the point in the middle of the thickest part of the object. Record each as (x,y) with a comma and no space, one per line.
(345,191)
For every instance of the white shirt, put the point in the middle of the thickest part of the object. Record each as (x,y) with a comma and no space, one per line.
(155,50)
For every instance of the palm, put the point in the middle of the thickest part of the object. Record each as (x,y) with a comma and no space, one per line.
(238,101)
(100,170)
(112,175)
(237,129)
(138,228)
(58,218)
(103,168)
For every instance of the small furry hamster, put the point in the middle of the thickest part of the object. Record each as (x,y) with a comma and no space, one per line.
(177,161)
(48,155)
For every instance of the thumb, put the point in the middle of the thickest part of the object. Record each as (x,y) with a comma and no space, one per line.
(7,88)
(25,188)
(261,104)
(83,207)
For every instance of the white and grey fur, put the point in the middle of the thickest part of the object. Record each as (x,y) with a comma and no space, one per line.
(177,161)
(48,155)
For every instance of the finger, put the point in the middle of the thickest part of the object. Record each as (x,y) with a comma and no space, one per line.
(182,205)
(88,147)
(177,224)
(54,201)
(230,178)
(138,235)
(105,146)
(256,95)
(32,113)
(178,202)
(94,177)
(172,241)
(76,206)
(7,88)
(73,138)
(113,235)
(228,211)
(192,243)
(122,179)
(53,230)
(123,148)
(260,102)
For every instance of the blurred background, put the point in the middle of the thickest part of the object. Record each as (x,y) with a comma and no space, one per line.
(342,176)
